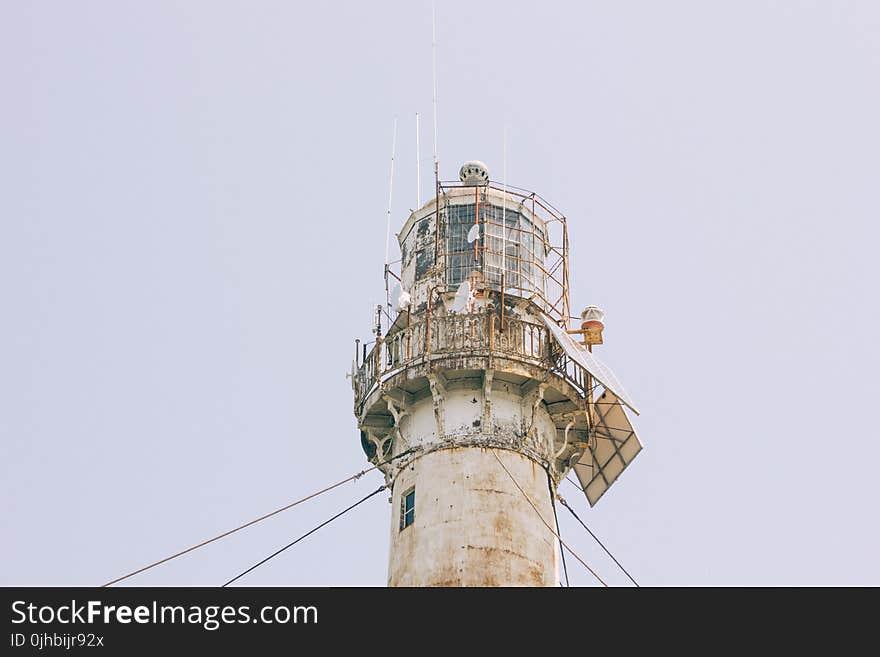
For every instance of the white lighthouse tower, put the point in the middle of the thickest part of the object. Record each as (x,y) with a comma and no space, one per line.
(475,398)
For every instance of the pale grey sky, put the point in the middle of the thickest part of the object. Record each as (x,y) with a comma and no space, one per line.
(191,236)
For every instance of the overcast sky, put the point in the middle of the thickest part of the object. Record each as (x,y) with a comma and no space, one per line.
(192,225)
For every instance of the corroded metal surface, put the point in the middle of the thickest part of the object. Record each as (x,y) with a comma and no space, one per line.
(454,386)
(532,248)
(451,390)
(450,334)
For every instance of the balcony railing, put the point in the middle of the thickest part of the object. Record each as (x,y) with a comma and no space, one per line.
(451,334)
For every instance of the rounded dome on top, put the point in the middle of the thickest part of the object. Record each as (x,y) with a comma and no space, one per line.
(474,173)
(593,314)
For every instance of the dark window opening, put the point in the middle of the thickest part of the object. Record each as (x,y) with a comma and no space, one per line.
(407,508)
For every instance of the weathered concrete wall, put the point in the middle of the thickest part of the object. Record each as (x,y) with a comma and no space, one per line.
(472,526)
(464,417)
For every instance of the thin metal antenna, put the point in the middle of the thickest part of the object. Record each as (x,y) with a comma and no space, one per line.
(390,190)
(436,157)
(388,221)
(418,165)
(503,221)
(504,202)
(434,83)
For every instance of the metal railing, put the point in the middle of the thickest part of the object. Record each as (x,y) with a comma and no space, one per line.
(572,372)
(451,334)
(549,278)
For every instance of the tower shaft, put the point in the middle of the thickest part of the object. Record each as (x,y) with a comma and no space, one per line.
(480,507)
(474,401)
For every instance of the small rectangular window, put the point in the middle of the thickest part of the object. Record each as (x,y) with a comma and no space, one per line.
(407,508)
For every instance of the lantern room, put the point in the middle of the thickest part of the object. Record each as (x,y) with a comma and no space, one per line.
(489,234)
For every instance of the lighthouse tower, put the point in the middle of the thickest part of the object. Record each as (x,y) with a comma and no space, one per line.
(476,397)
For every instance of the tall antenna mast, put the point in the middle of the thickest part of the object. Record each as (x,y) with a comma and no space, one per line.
(434,87)
(388,220)
(503,221)
(434,109)
(504,202)
(418,176)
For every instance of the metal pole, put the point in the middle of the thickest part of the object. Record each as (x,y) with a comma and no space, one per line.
(378,348)
(503,225)
(501,328)
(418,164)
(434,77)
(566,303)
(388,221)
(476,217)
(434,110)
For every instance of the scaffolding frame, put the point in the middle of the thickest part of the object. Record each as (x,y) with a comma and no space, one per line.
(551,269)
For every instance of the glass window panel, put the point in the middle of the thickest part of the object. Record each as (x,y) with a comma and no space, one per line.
(522,249)
(408,510)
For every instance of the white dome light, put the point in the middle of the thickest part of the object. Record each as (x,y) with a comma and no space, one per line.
(474,173)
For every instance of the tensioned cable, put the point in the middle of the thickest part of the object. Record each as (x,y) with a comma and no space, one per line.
(596,538)
(556,520)
(556,534)
(308,533)
(256,520)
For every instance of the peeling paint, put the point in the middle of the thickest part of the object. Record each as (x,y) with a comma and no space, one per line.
(476,528)
(462,391)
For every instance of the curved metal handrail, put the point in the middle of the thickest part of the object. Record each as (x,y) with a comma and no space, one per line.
(450,334)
